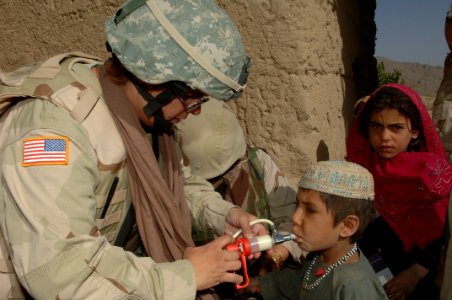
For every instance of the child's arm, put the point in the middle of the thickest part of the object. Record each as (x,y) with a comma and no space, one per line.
(403,284)
(426,260)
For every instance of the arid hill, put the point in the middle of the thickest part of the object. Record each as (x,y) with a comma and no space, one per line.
(425,79)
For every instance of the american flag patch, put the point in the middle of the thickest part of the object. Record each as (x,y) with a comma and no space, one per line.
(45,151)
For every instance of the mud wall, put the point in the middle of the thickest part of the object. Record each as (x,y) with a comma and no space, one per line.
(311,60)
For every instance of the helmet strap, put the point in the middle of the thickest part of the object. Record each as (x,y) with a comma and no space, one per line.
(154,105)
(161,125)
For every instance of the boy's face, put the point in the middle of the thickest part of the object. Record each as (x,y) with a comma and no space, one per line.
(390,132)
(313,223)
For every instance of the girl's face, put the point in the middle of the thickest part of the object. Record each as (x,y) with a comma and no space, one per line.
(390,132)
(313,224)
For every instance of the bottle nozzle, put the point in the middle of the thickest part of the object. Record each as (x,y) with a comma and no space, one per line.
(279,238)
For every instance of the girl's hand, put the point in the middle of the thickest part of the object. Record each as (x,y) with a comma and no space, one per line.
(403,284)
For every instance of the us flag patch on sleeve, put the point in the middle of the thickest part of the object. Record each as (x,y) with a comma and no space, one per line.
(45,151)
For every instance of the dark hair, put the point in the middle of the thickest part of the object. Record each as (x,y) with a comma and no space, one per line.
(389,97)
(341,207)
(116,71)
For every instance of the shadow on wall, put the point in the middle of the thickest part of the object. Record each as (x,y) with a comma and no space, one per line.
(322,151)
(358,31)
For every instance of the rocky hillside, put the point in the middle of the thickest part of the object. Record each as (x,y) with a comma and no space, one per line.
(425,79)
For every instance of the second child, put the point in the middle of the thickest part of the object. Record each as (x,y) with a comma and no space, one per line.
(335,204)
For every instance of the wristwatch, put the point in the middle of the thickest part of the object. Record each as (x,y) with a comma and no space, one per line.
(277,258)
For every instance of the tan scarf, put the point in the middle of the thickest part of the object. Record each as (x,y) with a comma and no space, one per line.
(162,214)
(161,209)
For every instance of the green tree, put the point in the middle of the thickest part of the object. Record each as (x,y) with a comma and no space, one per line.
(388,77)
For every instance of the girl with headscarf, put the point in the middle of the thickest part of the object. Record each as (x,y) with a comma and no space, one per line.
(394,137)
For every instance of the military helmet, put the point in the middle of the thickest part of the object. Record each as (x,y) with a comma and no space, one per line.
(194,42)
(211,141)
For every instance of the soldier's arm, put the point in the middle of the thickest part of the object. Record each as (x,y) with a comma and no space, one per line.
(207,207)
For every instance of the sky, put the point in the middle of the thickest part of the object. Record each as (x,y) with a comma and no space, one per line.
(412,30)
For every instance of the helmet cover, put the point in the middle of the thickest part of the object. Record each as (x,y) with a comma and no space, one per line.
(195,42)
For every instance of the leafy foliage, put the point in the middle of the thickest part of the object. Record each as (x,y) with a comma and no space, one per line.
(388,77)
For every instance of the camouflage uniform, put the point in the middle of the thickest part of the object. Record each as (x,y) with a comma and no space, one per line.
(446,289)
(270,196)
(442,107)
(214,145)
(442,116)
(52,216)
(279,193)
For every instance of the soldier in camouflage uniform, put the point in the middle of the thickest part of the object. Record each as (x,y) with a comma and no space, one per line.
(94,171)
(442,106)
(442,116)
(214,146)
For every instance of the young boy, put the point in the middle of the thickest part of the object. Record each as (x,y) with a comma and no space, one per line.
(335,204)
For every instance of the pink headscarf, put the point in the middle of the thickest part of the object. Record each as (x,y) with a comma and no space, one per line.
(412,189)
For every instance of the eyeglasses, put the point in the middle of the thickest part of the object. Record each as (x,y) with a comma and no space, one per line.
(193,106)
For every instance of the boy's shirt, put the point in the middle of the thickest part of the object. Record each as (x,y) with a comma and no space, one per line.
(350,281)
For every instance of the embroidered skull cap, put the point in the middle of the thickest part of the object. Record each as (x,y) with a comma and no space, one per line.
(339,178)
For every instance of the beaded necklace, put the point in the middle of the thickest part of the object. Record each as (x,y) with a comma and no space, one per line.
(307,275)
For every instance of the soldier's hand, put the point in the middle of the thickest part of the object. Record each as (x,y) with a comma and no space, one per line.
(212,264)
(239,219)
